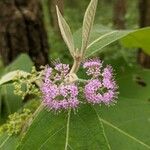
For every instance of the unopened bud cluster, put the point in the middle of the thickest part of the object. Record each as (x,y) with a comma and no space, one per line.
(16,122)
(26,85)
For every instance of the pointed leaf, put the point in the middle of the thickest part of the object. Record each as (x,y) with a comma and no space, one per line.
(88,23)
(100,38)
(84,130)
(104,40)
(65,32)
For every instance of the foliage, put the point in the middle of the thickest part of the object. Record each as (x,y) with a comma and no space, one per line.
(102,37)
(90,127)
(139,38)
(10,102)
(26,84)
(16,122)
(66,32)
(117,120)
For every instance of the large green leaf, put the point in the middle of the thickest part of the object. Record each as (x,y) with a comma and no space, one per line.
(82,130)
(127,124)
(132,38)
(10,102)
(140,38)
(102,37)
(104,40)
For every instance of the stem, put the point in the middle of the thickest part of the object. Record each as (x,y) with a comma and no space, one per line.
(67,131)
(75,66)
(29,122)
(82,80)
(77,61)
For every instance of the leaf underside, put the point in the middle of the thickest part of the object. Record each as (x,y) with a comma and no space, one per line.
(88,23)
(65,32)
(101,38)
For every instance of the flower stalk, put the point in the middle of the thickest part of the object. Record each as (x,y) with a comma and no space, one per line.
(78,56)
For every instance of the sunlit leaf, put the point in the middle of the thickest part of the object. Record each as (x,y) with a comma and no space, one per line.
(104,40)
(140,38)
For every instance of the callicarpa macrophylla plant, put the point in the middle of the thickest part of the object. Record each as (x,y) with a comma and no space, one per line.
(58,86)
(60,90)
(68,113)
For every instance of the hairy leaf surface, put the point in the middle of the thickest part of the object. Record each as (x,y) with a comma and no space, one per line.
(65,32)
(88,23)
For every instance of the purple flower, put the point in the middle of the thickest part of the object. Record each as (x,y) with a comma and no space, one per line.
(63,68)
(95,62)
(103,89)
(62,71)
(63,97)
(47,74)
(58,97)
(93,67)
(109,97)
(108,78)
(107,72)
(91,91)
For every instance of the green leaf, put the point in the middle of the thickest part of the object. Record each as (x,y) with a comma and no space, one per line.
(65,32)
(127,123)
(8,142)
(9,102)
(22,62)
(82,130)
(139,38)
(102,37)
(88,23)
(11,75)
(105,40)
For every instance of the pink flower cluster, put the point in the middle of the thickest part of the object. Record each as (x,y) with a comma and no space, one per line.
(58,95)
(93,67)
(102,87)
